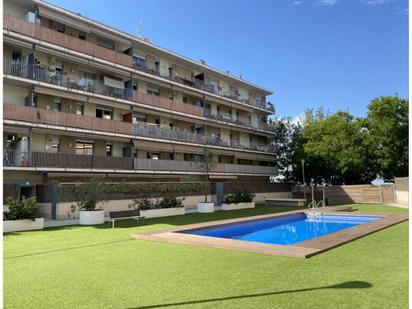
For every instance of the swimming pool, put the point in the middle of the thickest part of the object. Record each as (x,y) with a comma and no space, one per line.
(284,230)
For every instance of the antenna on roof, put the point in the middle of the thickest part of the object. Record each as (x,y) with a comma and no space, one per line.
(139,30)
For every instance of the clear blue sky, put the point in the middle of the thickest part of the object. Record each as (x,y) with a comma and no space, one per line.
(338,54)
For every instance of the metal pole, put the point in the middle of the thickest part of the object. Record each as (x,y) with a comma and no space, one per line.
(303,175)
(313,194)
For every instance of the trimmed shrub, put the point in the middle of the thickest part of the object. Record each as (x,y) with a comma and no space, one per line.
(18,210)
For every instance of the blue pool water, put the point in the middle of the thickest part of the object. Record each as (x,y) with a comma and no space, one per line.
(285,230)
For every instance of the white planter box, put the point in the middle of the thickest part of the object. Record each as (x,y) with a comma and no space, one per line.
(23,225)
(91,217)
(162,212)
(238,206)
(205,207)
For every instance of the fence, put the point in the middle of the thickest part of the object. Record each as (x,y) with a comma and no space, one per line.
(402,191)
(362,194)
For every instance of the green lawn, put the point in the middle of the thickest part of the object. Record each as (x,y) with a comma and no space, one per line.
(97,267)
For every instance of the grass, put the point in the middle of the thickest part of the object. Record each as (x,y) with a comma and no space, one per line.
(97,267)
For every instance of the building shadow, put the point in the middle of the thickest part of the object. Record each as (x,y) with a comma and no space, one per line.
(343,285)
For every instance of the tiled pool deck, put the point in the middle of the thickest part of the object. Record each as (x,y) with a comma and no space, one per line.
(303,249)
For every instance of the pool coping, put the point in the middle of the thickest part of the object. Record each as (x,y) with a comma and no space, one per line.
(304,249)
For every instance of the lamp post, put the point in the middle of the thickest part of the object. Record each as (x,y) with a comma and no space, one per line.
(303,175)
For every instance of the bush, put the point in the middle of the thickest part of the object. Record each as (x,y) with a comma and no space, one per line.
(239,196)
(24,209)
(229,199)
(143,204)
(170,202)
(166,202)
(90,193)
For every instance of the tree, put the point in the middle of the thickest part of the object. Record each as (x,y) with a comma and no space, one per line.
(387,125)
(206,164)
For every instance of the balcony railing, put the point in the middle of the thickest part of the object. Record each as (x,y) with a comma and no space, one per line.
(74,161)
(48,117)
(51,76)
(63,160)
(49,35)
(44,116)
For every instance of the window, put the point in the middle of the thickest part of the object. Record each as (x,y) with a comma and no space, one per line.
(139,118)
(57,104)
(153,91)
(86,79)
(60,27)
(80,109)
(105,43)
(84,148)
(139,62)
(82,35)
(109,150)
(16,55)
(54,147)
(104,113)
(11,141)
(157,66)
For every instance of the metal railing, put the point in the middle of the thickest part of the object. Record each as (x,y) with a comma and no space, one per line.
(63,160)
(18,25)
(44,116)
(13,158)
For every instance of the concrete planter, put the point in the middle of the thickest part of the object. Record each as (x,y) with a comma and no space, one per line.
(23,225)
(205,207)
(234,206)
(91,217)
(162,212)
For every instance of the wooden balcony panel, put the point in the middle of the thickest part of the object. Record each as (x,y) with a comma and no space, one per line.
(76,121)
(51,36)
(123,127)
(48,159)
(19,25)
(77,161)
(80,45)
(123,59)
(113,162)
(104,53)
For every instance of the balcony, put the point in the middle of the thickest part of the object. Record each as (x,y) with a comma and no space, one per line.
(47,75)
(13,158)
(44,116)
(47,117)
(63,160)
(51,36)
(21,26)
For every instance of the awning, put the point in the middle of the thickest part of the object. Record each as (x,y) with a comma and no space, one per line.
(152,146)
(253,156)
(221,152)
(63,19)
(59,93)
(187,149)
(107,35)
(115,83)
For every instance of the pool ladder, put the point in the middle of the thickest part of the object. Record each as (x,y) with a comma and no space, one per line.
(314,204)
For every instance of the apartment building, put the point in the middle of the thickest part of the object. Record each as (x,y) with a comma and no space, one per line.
(82,99)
